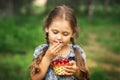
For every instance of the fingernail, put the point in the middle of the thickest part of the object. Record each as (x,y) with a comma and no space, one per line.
(60,43)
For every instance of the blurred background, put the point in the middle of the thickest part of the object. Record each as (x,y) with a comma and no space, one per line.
(21,32)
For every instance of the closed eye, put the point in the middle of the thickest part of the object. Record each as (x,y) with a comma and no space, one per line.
(66,33)
(55,31)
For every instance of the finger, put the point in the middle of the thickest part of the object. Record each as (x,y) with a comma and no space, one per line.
(58,48)
(70,69)
(68,73)
(53,50)
(72,62)
(54,46)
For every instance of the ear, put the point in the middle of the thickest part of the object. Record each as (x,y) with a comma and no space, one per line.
(46,29)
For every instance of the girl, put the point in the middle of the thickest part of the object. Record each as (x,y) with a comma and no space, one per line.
(60,27)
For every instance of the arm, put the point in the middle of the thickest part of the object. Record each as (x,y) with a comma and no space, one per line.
(45,62)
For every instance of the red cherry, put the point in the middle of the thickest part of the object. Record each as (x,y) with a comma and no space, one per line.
(58,62)
(54,63)
(62,62)
(66,60)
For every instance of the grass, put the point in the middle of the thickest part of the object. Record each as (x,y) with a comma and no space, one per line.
(99,38)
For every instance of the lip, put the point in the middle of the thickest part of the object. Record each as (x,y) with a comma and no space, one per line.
(58,41)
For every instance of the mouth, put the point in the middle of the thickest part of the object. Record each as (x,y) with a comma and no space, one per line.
(58,41)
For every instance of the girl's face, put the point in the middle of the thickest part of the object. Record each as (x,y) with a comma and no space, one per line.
(59,31)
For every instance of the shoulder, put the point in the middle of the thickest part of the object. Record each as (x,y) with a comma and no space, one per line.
(39,50)
(82,52)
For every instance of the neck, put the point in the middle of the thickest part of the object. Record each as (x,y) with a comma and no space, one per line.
(65,50)
(65,46)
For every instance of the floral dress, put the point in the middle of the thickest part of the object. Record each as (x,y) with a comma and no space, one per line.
(50,75)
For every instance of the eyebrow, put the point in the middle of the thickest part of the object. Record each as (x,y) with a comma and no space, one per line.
(66,32)
(54,30)
(58,30)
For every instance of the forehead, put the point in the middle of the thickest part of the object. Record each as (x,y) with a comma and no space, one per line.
(60,24)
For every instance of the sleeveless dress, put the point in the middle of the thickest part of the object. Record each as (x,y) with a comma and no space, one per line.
(50,75)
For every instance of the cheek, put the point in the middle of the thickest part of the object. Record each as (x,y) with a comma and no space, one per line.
(51,36)
(66,40)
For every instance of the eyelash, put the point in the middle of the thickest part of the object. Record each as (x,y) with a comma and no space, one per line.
(63,33)
(55,32)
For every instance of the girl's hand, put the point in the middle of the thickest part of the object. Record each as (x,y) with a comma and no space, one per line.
(53,50)
(71,68)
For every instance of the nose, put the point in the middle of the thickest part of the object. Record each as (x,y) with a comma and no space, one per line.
(59,37)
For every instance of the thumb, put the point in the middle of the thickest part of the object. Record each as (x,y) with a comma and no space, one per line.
(72,62)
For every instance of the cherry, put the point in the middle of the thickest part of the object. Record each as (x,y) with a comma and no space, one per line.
(58,62)
(54,63)
(62,62)
(66,60)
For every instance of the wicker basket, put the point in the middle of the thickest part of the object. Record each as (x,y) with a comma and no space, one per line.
(59,64)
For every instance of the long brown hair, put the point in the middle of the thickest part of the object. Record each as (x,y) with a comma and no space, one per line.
(85,75)
(66,13)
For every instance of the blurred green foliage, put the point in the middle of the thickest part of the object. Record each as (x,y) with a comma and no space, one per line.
(20,34)
(15,67)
